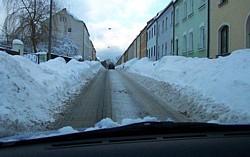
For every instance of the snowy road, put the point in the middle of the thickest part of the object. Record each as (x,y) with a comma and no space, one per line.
(115,95)
(91,105)
(131,100)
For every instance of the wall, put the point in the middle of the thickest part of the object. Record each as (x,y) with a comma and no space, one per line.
(192,22)
(165,28)
(234,13)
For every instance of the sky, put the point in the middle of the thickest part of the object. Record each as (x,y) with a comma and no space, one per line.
(126,18)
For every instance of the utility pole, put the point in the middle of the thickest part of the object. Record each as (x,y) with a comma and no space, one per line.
(50,30)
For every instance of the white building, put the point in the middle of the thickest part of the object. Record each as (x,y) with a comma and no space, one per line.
(69,25)
(151,39)
(165,32)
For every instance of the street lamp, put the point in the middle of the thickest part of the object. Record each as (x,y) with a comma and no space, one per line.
(50,30)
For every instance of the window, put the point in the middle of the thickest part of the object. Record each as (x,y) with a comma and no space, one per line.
(202,37)
(191,7)
(172,18)
(69,29)
(185,10)
(162,30)
(202,3)
(191,41)
(159,29)
(184,43)
(224,39)
(162,49)
(154,50)
(177,15)
(154,30)
(172,45)
(149,34)
(222,2)
(166,48)
(166,24)
(177,46)
(62,18)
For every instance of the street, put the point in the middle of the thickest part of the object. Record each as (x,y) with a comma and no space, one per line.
(116,95)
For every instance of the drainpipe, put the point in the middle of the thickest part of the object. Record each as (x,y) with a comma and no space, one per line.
(83,43)
(208,29)
(173,29)
(156,46)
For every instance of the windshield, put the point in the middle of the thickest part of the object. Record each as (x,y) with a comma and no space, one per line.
(93,64)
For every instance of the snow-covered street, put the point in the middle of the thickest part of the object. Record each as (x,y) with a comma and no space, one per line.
(56,94)
(215,90)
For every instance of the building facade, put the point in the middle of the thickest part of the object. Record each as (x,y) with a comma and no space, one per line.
(67,24)
(165,32)
(151,39)
(230,26)
(191,28)
(143,44)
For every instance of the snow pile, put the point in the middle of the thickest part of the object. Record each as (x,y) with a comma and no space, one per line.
(106,123)
(109,123)
(219,87)
(32,94)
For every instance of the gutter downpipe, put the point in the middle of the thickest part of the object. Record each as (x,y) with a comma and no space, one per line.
(208,30)
(174,29)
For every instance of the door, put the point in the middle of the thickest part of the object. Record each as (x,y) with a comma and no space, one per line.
(248,33)
(224,40)
(177,47)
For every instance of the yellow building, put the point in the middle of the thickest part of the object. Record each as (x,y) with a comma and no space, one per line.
(229,26)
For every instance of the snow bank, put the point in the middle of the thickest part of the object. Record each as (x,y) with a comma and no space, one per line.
(32,94)
(224,81)
(106,123)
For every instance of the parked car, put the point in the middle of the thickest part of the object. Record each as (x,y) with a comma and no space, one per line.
(111,65)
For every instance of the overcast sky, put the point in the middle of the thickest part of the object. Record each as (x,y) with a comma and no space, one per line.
(126,18)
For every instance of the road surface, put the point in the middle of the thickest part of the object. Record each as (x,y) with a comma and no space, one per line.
(115,95)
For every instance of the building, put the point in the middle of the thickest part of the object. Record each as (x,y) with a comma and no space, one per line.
(229,25)
(130,51)
(191,28)
(165,32)
(138,46)
(67,24)
(151,39)
(143,42)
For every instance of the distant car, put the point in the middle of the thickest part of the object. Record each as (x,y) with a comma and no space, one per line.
(111,65)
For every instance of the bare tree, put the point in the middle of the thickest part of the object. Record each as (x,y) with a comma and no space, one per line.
(27,20)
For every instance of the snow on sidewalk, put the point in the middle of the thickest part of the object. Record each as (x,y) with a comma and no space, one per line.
(216,85)
(31,94)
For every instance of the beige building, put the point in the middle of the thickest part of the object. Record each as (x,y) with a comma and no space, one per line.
(143,44)
(229,26)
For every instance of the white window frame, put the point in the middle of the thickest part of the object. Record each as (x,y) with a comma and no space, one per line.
(177,15)
(191,7)
(172,18)
(191,40)
(202,43)
(185,9)
(184,42)
(166,24)
(202,2)
(163,24)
